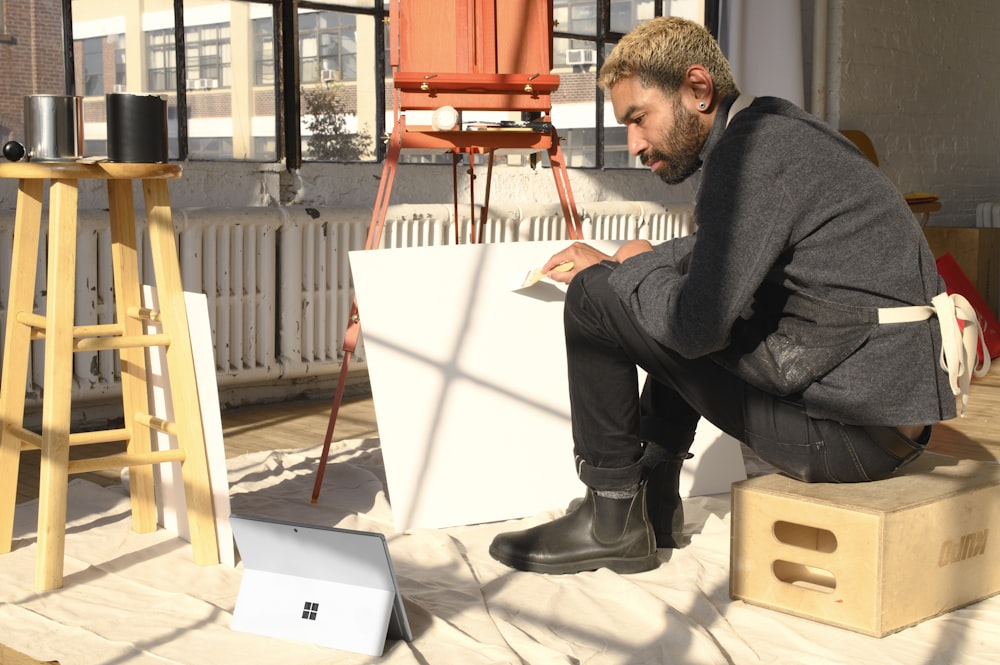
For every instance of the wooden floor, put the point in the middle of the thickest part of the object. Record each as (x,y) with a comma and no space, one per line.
(977,435)
(246,429)
(303,424)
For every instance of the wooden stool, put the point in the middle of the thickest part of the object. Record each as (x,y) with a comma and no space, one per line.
(62,337)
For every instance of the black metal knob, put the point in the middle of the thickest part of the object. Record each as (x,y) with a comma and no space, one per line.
(13,151)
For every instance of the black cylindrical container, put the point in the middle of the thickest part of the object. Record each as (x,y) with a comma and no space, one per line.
(137,128)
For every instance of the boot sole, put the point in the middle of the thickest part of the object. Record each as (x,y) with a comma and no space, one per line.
(614,564)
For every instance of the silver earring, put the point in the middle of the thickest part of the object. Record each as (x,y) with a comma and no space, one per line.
(702,105)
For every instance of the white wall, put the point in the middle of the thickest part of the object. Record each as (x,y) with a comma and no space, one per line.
(238,185)
(922,78)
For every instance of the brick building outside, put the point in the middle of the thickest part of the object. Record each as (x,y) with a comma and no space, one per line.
(31,58)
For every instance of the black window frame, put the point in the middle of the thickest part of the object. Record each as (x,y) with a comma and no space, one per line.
(285,17)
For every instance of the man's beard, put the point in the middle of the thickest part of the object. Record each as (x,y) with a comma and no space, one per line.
(680,158)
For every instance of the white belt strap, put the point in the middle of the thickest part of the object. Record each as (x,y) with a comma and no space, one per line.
(959,345)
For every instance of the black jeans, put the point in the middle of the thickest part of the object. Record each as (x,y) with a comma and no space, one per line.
(610,420)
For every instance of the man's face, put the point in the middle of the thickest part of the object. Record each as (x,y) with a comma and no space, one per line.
(661,131)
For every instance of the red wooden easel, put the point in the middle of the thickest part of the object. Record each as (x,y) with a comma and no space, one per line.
(472,55)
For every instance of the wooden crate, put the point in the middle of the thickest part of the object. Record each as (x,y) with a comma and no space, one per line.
(869,557)
(977,252)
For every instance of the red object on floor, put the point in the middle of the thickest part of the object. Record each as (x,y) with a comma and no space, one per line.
(956,281)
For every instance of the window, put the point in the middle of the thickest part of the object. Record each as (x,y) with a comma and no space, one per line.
(325,93)
(117,44)
(93,66)
(207,50)
(162,58)
(328,47)
(263,56)
(585,33)
(103,64)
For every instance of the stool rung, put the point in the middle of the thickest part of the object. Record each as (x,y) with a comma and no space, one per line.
(37,322)
(153,422)
(103,336)
(28,438)
(144,314)
(124,459)
(33,440)
(111,343)
(123,342)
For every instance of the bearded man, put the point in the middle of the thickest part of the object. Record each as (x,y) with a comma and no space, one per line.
(796,319)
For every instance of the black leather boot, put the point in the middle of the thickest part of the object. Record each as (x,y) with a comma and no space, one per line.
(598,533)
(664,506)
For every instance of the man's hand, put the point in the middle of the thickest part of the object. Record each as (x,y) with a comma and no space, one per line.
(583,256)
(631,248)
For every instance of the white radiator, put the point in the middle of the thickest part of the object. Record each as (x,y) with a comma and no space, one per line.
(988,215)
(278,280)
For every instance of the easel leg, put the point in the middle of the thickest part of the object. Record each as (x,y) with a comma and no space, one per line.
(350,344)
(373,241)
(574,225)
(377,223)
(485,212)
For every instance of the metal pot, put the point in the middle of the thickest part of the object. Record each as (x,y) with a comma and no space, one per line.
(53,127)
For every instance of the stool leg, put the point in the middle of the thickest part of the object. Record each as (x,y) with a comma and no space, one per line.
(180,365)
(27,225)
(135,397)
(59,319)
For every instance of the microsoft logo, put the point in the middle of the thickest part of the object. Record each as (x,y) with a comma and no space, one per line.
(310,610)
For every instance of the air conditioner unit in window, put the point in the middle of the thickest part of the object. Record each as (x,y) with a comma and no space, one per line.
(329,75)
(581,56)
(202,84)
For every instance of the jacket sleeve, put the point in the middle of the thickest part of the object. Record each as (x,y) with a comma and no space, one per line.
(745,211)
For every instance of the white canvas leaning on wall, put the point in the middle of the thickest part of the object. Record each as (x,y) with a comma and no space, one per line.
(468,379)
(170,500)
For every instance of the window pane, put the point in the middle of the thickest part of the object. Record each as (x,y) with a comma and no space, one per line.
(573,111)
(93,65)
(576,16)
(231,87)
(337,71)
(108,44)
(231,75)
(625,15)
(361,4)
(231,100)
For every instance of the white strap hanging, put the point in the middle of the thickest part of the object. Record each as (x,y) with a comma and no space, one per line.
(959,344)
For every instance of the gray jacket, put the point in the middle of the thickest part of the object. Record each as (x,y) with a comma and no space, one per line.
(800,240)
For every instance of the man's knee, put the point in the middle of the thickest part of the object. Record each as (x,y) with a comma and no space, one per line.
(591,286)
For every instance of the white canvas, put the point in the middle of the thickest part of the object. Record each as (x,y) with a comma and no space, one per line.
(468,379)
(170,499)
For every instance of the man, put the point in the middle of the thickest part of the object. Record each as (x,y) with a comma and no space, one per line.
(771,321)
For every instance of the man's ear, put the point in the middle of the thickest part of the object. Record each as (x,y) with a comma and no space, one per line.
(698,90)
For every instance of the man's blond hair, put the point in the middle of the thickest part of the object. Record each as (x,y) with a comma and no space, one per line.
(660,51)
